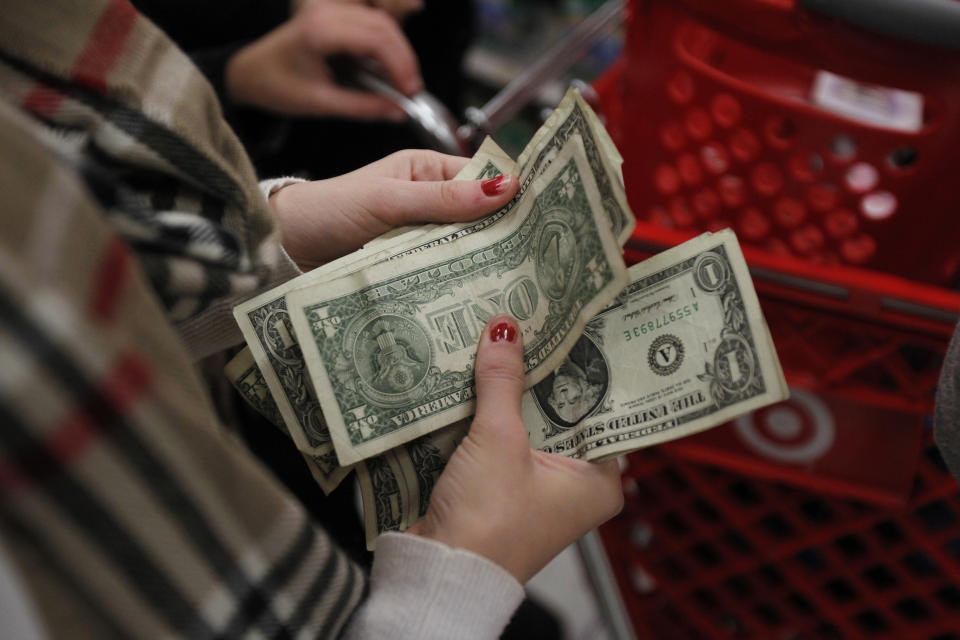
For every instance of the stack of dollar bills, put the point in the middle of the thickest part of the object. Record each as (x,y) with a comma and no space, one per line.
(367,362)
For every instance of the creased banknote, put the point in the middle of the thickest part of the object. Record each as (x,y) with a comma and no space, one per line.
(573,117)
(245,376)
(395,487)
(390,348)
(266,328)
(272,342)
(684,348)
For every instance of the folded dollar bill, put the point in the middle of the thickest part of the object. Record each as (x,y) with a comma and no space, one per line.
(684,348)
(395,487)
(245,376)
(390,348)
(272,342)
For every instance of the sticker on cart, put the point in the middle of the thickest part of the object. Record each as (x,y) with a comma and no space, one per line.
(868,103)
(798,431)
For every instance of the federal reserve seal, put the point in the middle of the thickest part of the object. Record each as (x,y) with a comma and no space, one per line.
(665,354)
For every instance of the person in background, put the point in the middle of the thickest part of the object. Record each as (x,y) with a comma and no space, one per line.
(132,223)
(293,113)
(946,419)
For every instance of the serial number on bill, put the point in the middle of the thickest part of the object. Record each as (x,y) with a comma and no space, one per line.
(650,326)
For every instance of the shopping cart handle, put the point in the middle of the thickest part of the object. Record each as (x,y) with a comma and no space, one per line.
(931,22)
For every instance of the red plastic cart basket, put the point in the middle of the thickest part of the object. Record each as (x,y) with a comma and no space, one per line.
(718,113)
(807,135)
(736,548)
(704,553)
(862,351)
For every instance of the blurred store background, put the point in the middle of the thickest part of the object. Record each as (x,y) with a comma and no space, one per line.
(824,134)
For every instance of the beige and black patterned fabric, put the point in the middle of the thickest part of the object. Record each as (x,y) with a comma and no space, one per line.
(130,222)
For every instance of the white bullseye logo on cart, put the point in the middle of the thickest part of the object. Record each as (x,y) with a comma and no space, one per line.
(799,430)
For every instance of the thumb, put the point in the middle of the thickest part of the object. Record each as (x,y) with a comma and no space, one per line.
(499,374)
(449,200)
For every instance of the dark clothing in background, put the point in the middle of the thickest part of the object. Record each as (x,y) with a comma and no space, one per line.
(946,422)
(204,24)
(212,31)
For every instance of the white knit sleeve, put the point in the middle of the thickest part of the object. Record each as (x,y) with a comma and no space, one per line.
(423,589)
(270,186)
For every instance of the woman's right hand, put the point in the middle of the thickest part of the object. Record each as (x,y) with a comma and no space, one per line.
(501,499)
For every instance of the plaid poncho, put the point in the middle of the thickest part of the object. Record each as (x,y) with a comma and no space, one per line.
(127,203)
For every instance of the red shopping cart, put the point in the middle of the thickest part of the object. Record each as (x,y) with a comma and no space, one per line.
(807,135)
(823,133)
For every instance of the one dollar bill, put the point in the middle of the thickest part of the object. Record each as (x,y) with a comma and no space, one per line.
(395,487)
(684,348)
(245,376)
(390,348)
(272,346)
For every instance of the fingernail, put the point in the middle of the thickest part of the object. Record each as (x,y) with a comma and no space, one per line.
(503,331)
(493,186)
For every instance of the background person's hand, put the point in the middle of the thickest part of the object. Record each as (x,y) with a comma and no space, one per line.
(325,219)
(286,70)
(498,497)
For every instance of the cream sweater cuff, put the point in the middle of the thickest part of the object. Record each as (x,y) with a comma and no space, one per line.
(272,185)
(423,589)
(289,268)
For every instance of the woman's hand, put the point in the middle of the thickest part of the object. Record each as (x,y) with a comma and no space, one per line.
(326,219)
(499,498)
(286,70)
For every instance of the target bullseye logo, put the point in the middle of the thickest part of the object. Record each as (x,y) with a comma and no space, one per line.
(799,430)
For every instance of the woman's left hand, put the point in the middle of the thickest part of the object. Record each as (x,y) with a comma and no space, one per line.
(325,219)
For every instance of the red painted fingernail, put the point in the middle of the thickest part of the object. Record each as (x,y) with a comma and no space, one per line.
(493,186)
(503,331)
